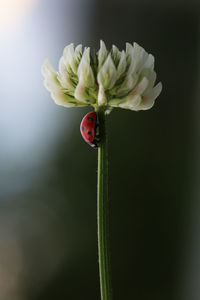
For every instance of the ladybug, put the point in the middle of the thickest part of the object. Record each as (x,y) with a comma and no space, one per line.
(90,129)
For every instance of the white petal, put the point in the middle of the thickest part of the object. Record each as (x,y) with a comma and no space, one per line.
(146,104)
(132,103)
(149,63)
(122,65)
(80,93)
(129,49)
(133,100)
(140,88)
(61,99)
(150,75)
(139,52)
(107,75)
(115,50)
(116,54)
(139,56)
(101,96)
(78,50)
(148,99)
(51,83)
(85,73)
(102,54)
(63,76)
(50,75)
(47,68)
(155,92)
(135,55)
(129,83)
(69,58)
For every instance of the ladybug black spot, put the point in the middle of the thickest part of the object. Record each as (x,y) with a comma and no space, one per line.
(89,132)
(90,119)
(82,128)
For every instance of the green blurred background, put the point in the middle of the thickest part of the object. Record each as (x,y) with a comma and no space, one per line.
(48,243)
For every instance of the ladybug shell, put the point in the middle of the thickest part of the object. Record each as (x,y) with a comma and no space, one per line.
(88,127)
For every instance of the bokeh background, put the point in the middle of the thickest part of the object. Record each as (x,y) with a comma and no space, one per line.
(48,244)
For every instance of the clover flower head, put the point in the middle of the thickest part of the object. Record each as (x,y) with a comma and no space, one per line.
(108,79)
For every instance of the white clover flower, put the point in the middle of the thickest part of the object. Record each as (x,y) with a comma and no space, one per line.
(104,79)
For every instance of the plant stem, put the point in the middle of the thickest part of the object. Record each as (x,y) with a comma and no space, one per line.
(102,211)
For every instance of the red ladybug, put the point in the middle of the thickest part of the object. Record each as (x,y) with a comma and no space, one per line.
(89,129)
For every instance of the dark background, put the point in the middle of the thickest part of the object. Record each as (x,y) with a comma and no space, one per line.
(48,244)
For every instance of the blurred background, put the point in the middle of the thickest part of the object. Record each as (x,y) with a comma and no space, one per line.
(48,244)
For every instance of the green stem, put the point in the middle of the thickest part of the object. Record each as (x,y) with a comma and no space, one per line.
(102,211)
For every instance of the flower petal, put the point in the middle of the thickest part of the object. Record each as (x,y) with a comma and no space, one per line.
(70,59)
(148,99)
(122,64)
(129,49)
(149,63)
(53,85)
(47,68)
(63,76)
(101,96)
(150,75)
(155,92)
(107,75)
(132,103)
(50,75)
(141,87)
(85,73)
(116,55)
(139,56)
(78,52)
(80,93)
(61,99)
(102,54)
(128,83)
(133,100)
